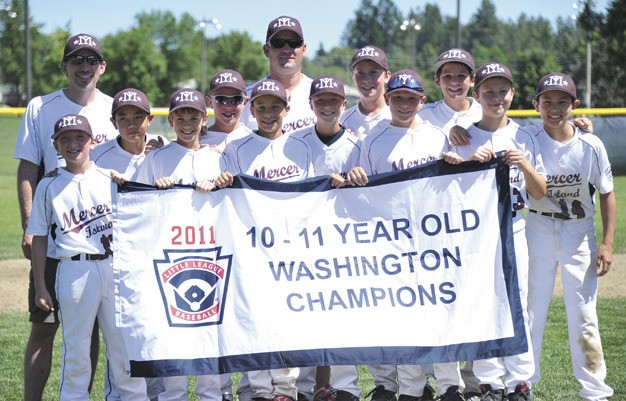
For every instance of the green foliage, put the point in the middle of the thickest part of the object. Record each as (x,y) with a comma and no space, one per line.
(375,24)
(237,51)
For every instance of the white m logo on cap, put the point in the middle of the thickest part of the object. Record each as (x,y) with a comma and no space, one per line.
(84,40)
(225,77)
(493,68)
(404,78)
(281,22)
(454,53)
(187,96)
(70,121)
(326,83)
(367,51)
(268,86)
(555,80)
(130,97)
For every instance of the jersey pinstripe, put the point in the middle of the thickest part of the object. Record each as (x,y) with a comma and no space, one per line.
(397,148)
(182,165)
(360,124)
(339,156)
(75,211)
(285,158)
(34,142)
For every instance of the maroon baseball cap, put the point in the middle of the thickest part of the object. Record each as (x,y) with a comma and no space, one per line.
(556,81)
(227,79)
(283,23)
(130,97)
(327,84)
(271,88)
(189,98)
(79,42)
(407,80)
(492,70)
(455,56)
(71,122)
(373,53)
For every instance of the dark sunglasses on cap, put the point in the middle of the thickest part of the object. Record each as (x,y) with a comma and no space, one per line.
(280,43)
(232,100)
(403,83)
(77,59)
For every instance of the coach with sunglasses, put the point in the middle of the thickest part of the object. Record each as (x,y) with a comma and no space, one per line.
(285,48)
(83,64)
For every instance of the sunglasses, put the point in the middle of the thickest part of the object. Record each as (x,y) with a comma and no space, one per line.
(280,43)
(232,100)
(78,59)
(403,83)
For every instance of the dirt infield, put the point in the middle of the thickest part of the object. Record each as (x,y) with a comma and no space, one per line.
(14,283)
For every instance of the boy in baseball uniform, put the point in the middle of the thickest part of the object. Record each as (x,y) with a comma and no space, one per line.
(269,153)
(495,132)
(185,161)
(334,152)
(408,142)
(370,73)
(73,207)
(560,230)
(227,97)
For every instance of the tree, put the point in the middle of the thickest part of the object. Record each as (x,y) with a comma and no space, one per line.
(484,28)
(143,70)
(610,84)
(237,51)
(373,24)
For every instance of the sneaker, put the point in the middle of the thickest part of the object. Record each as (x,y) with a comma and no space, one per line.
(281,397)
(489,394)
(326,393)
(380,393)
(342,395)
(522,393)
(406,397)
(472,396)
(452,394)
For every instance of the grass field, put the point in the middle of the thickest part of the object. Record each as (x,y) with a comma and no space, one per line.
(558,383)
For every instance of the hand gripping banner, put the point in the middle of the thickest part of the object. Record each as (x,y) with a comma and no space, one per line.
(417,267)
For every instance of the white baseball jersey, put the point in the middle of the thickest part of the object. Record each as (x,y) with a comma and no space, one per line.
(395,148)
(508,138)
(574,171)
(112,156)
(182,165)
(445,117)
(34,142)
(220,139)
(75,210)
(360,124)
(285,158)
(300,114)
(338,156)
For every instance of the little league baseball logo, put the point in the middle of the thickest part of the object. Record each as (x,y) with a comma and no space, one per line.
(193,285)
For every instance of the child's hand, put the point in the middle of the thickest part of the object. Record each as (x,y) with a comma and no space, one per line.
(604,259)
(357,176)
(204,185)
(43,299)
(118,178)
(584,124)
(452,158)
(224,180)
(337,181)
(482,154)
(459,136)
(516,157)
(153,144)
(164,183)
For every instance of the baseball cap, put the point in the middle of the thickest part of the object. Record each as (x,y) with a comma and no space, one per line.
(71,122)
(492,70)
(407,80)
(130,97)
(456,56)
(556,81)
(283,23)
(373,53)
(269,87)
(79,42)
(227,79)
(327,84)
(187,97)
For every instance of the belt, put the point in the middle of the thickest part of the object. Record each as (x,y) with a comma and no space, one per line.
(558,216)
(89,256)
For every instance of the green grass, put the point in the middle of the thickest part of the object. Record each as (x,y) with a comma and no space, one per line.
(557,384)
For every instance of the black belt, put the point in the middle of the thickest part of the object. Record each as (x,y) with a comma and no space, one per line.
(89,256)
(559,216)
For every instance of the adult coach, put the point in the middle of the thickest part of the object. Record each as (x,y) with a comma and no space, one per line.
(83,64)
(285,49)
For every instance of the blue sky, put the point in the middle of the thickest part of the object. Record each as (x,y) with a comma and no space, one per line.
(323,21)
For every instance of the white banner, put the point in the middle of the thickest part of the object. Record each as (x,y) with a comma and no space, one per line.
(417,267)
